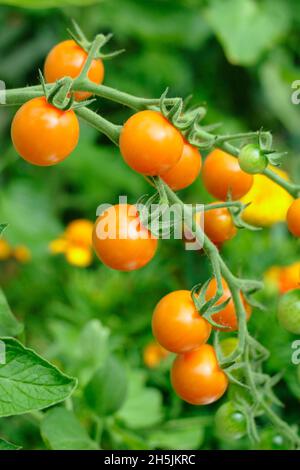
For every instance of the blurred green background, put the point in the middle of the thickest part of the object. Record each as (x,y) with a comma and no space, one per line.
(239,57)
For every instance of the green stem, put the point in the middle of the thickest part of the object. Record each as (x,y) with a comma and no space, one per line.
(112,131)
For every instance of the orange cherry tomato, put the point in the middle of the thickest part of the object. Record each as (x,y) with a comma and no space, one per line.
(150,144)
(120,240)
(293,218)
(185,172)
(42,134)
(176,324)
(66,59)
(227,316)
(197,377)
(222,174)
(218,225)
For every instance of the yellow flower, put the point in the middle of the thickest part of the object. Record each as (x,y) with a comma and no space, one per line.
(22,254)
(75,243)
(5,250)
(269,201)
(153,354)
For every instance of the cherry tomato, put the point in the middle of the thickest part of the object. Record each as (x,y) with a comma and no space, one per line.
(150,144)
(222,175)
(227,316)
(218,225)
(197,377)
(289,311)
(252,159)
(185,172)
(66,59)
(230,423)
(120,240)
(177,325)
(293,218)
(270,439)
(42,134)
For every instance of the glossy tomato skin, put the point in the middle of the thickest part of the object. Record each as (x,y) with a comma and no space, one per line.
(252,159)
(226,317)
(150,144)
(293,218)
(129,246)
(186,171)
(218,225)
(66,59)
(42,134)
(176,324)
(197,377)
(222,174)
(231,424)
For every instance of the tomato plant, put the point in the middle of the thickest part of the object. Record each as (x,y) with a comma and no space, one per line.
(150,144)
(252,159)
(293,218)
(222,176)
(42,134)
(197,377)
(66,59)
(218,225)
(177,325)
(289,311)
(185,172)
(121,241)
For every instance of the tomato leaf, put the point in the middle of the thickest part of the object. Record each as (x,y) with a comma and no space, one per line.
(61,430)
(247,29)
(4,445)
(9,326)
(28,382)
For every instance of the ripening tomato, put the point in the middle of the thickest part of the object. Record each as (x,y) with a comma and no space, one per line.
(177,325)
(185,172)
(231,423)
(289,311)
(227,316)
(66,59)
(222,175)
(120,240)
(197,377)
(150,144)
(293,218)
(42,134)
(218,225)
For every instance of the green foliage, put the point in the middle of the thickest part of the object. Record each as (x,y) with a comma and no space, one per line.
(4,445)
(62,431)
(9,326)
(28,382)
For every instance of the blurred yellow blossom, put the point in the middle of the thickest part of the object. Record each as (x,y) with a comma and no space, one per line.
(269,201)
(75,243)
(153,354)
(21,253)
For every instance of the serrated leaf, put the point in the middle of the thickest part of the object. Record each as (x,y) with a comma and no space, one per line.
(5,445)
(61,430)
(28,382)
(9,325)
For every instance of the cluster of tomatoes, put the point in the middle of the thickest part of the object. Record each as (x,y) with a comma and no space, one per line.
(152,146)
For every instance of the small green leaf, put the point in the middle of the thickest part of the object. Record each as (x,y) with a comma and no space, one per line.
(4,445)
(9,326)
(28,382)
(143,406)
(61,430)
(106,391)
(2,228)
(185,434)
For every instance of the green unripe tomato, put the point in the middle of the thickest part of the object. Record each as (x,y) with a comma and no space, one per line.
(252,159)
(230,423)
(271,439)
(288,313)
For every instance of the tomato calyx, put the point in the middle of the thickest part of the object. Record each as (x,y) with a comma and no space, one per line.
(101,40)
